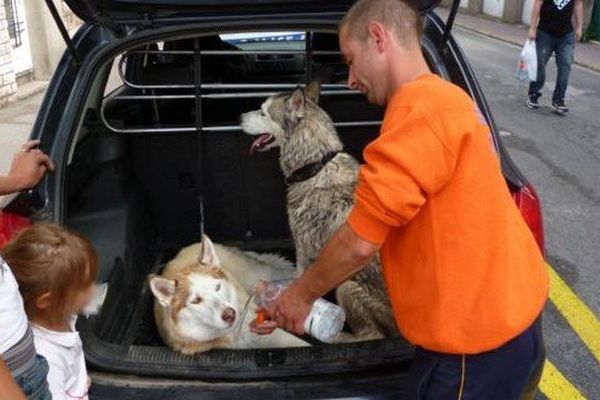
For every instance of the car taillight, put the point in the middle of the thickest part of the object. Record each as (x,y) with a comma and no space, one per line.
(11,224)
(529,203)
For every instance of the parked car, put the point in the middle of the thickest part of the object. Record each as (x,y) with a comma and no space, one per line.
(146,164)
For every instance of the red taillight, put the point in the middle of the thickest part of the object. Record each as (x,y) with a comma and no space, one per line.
(528,202)
(11,224)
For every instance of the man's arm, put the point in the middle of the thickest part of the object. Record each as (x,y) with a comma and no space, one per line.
(8,387)
(8,185)
(345,254)
(28,167)
(535,19)
(578,19)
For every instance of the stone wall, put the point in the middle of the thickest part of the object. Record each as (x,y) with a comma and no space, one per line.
(8,84)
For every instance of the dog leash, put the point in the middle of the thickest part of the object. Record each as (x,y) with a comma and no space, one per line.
(242,318)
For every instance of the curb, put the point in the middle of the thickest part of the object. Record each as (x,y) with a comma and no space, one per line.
(26,91)
(29,92)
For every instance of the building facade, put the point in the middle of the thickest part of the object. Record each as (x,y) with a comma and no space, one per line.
(30,43)
(512,11)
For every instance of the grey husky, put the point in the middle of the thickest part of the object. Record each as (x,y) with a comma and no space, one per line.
(321,179)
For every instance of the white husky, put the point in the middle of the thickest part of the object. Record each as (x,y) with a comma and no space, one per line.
(201,295)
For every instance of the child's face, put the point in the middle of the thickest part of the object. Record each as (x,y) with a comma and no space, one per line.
(82,298)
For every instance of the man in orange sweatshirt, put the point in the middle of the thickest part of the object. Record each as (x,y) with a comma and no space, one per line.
(465,276)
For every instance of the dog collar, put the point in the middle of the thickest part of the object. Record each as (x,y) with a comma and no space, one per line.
(310,170)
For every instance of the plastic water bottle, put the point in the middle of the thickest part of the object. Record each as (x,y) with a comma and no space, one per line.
(325,320)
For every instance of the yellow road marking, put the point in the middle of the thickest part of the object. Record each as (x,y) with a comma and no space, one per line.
(584,323)
(555,386)
(580,317)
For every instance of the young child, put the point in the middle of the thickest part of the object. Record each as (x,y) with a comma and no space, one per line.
(56,270)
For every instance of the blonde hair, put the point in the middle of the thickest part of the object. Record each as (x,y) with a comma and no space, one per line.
(46,258)
(398,15)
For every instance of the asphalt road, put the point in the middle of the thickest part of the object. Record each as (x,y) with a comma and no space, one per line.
(561,157)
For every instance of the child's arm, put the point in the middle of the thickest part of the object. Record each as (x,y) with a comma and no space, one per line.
(28,167)
(8,387)
(58,375)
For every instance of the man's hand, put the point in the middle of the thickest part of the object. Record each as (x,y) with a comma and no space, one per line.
(578,34)
(27,168)
(288,311)
(532,34)
(344,255)
(263,327)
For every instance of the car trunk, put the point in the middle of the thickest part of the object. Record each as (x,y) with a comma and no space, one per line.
(162,159)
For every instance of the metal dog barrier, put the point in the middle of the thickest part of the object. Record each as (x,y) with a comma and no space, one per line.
(197,91)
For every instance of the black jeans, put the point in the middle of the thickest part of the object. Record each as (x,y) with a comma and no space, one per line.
(511,372)
(563,47)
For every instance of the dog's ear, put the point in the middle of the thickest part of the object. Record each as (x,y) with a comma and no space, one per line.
(163,289)
(313,91)
(294,108)
(296,102)
(208,253)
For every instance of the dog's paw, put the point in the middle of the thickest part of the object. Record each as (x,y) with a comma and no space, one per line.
(363,336)
(344,337)
(189,350)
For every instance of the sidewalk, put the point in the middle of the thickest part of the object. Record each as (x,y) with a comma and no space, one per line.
(586,54)
(16,120)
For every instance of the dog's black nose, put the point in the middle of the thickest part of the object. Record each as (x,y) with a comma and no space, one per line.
(228,315)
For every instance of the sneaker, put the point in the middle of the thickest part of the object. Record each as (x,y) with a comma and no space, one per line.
(532,102)
(559,107)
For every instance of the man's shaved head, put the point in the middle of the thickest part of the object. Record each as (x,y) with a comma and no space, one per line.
(396,15)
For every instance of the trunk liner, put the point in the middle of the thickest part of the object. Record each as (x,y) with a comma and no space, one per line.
(124,338)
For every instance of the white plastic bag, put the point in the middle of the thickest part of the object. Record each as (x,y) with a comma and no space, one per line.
(527,67)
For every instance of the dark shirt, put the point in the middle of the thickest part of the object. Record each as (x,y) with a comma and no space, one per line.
(556,17)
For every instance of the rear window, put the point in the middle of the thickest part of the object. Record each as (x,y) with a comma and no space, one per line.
(190,85)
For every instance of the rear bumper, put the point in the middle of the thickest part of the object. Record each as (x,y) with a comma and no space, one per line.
(375,385)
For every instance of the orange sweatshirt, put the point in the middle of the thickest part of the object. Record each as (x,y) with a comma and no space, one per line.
(463,270)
